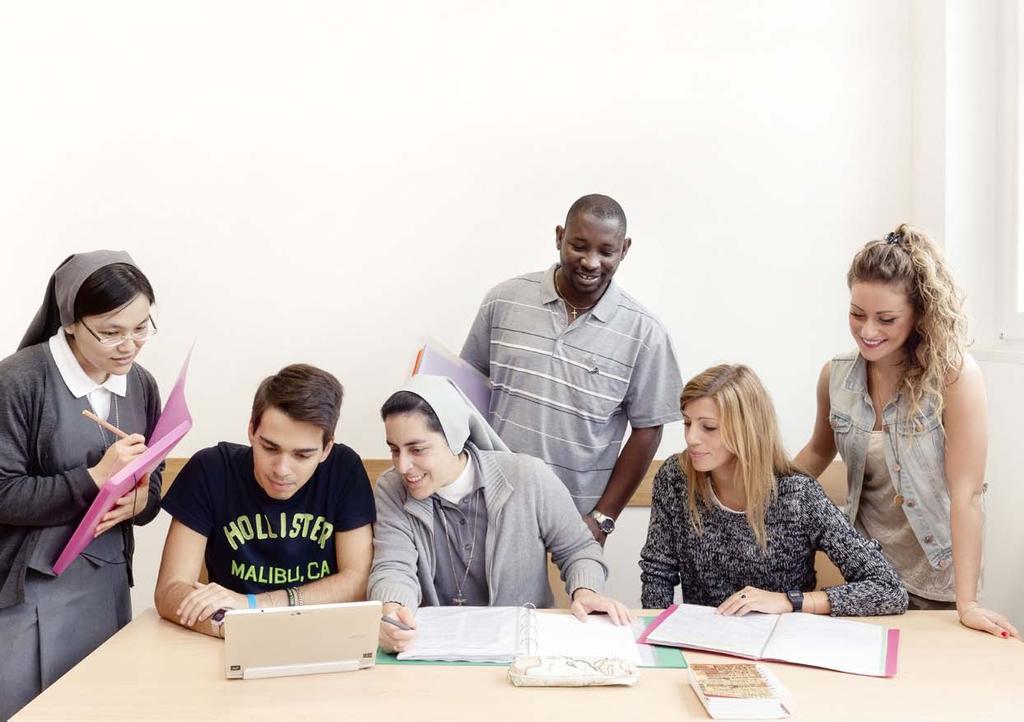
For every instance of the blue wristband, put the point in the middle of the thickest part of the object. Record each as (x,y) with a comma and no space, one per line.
(252,600)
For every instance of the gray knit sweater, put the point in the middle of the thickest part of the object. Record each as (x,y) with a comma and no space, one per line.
(34,494)
(725,557)
(529,513)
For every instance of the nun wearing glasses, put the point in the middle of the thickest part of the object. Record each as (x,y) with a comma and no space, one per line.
(79,354)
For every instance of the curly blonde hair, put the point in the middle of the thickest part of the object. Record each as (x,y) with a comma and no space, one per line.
(910,260)
(750,431)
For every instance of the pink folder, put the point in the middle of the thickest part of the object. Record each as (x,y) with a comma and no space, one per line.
(172,425)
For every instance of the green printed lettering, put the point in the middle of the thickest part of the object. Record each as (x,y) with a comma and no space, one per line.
(270,528)
(237,569)
(312,570)
(294,575)
(245,526)
(296,526)
(280,576)
(316,527)
(260,534)
(326,534)
(306,518)
(234,535)
(284,525)
(250,574)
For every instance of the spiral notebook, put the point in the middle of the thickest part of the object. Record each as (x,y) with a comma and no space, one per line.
(497,634)
(740,691)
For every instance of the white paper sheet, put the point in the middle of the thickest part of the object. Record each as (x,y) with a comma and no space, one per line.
(699,627)
(839,644)
(564,635)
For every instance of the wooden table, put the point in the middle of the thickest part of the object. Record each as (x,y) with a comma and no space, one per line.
(155,670)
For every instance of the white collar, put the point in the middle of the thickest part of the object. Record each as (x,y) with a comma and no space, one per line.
(74,376)
(462,485)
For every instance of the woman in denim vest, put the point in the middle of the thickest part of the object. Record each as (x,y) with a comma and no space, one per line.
(907,411)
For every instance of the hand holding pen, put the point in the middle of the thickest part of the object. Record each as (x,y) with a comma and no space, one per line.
(397,629)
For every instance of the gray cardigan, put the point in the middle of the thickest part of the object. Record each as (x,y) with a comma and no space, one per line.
(32,494)
(529,512)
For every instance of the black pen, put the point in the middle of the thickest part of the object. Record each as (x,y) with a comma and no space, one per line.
(395,622)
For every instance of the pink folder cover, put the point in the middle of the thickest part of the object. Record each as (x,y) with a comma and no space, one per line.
(434,360)
(172,425)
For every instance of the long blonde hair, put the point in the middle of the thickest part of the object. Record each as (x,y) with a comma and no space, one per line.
(909,259)
(750,430)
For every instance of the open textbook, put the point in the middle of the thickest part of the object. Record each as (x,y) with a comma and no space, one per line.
(816,641)
(497,634)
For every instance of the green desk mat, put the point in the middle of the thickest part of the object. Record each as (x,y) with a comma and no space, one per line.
(664,657)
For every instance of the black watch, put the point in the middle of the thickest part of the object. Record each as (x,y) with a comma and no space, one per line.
(604,522)
(796,598)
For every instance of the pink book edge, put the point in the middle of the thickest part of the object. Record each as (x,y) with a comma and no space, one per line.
(892,651)
(654,625)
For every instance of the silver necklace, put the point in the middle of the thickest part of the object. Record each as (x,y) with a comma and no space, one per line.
(117,423)
(459,599)
(107,445)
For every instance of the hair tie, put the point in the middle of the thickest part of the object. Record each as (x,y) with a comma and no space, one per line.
(894,238)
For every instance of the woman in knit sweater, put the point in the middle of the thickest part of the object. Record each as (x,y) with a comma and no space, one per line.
(736,525)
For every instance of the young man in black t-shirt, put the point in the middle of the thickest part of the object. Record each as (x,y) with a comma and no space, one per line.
(284,521)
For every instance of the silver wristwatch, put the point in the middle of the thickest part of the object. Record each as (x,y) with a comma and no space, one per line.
(604,522)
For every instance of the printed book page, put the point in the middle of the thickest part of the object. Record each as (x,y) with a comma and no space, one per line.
(838,644)
(699,627)
(464,634)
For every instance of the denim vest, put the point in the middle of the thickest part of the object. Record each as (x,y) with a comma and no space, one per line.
(914,453)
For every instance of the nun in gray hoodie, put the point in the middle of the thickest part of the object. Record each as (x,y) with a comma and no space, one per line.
(461,520)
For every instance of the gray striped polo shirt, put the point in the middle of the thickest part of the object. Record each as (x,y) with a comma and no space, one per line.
(564,393)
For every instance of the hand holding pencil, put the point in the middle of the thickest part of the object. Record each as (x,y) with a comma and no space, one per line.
(119,454)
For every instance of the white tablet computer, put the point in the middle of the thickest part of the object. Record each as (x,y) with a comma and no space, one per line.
(285,641)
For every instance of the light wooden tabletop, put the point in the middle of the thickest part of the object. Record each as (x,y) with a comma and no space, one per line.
(155,670)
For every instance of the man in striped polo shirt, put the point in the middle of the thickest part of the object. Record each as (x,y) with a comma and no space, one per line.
(572,358)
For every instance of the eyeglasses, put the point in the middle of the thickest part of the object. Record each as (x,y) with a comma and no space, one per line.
(111,339)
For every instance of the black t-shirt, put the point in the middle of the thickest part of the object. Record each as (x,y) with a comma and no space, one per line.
(256,543)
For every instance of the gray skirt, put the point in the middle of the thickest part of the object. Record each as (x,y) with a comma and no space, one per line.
(61,621)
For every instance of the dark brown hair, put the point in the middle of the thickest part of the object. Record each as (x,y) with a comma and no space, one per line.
(406,402)
(304,393)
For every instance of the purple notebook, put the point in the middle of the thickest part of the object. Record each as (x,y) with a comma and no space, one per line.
(434,360)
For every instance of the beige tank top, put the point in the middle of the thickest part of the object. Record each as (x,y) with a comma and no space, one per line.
(879,518)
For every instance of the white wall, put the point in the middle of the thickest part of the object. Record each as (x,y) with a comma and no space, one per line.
(327,183)
(978,101)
